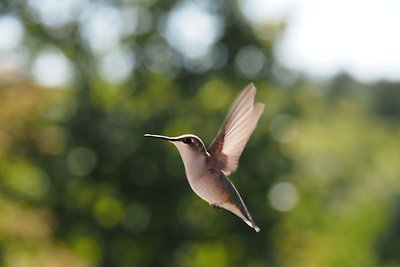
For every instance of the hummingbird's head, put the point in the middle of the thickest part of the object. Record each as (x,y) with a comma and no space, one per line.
(190,147)
(187,143)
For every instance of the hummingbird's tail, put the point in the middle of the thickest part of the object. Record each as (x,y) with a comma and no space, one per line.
(247,216)
(252,223)
(237,206)
(241,211)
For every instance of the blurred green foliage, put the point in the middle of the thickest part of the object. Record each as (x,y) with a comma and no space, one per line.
(80,186)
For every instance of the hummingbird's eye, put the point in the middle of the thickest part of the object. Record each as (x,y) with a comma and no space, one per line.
(187,140)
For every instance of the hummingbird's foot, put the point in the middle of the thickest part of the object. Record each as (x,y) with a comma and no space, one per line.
(215,206)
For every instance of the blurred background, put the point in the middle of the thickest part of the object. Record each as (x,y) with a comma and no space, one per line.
(81,82)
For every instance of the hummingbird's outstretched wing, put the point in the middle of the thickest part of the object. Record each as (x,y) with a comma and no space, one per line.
(235,131)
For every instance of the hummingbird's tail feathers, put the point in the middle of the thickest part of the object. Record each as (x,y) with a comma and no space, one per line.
(236,205)
(242,213)
(248,219)
(253,225)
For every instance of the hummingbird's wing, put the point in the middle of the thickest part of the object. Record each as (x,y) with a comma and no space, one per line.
(235,131)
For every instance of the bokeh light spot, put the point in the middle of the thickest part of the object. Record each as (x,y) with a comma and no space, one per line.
(87,247)
(250,61)
(27,180)
(52,69)
(11,31)
(117,65)
(192,29)
(102,27)
(23,223)
(283,128)
(56,14)
(283,196)
(108,210)
(81,161)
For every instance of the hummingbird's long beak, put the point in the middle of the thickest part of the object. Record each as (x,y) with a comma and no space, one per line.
(171,139)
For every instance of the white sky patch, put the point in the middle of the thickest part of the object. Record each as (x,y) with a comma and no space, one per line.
(52,69)
(192,30)
(322,38)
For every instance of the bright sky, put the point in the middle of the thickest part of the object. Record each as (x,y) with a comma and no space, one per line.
(323,38)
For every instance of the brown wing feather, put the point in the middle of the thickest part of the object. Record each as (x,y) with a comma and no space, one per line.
(235,131)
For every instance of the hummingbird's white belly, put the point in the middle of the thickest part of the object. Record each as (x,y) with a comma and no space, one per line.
(210,188)
(205,183)
(201,180)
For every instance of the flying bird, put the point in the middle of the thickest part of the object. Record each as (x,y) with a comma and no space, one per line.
(207,170)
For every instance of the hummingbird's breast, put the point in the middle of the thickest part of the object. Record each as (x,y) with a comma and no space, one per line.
(211,187)
(204,179)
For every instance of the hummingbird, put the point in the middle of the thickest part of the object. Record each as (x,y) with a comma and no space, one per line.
(207,170)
